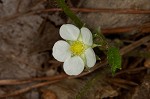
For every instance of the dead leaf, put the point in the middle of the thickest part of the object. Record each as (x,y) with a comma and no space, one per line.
(48,94)
(147,63)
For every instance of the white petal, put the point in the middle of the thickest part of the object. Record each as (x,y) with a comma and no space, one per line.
(87,36)
(90,57)
(69,32)
(73,65)
(61,50)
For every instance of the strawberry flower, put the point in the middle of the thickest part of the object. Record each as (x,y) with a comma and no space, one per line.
(75,50)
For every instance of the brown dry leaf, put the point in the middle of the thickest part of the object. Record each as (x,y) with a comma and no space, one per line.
(147,63)
(48,94)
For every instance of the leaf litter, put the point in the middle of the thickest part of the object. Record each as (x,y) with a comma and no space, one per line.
(26,39)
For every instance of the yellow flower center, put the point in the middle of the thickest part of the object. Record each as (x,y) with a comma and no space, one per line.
(77,47)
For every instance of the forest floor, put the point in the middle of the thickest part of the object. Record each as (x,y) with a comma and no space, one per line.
(29,29)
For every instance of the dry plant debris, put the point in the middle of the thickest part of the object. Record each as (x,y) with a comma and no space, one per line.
(29,28)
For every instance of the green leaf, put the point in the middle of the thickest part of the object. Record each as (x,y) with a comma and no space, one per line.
(69,13)
(114,59)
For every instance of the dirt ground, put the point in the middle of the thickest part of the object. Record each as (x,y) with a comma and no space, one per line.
(29,29)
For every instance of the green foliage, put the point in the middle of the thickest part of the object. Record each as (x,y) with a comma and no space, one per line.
(69,13)
(114,59)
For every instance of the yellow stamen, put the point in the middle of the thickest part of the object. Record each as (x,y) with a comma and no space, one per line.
(77,47)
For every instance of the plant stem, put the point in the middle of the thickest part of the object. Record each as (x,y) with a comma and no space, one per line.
(69,13)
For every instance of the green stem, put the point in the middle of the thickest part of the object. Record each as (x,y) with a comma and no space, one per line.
(69,13)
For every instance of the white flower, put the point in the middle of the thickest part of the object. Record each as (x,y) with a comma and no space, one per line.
(76,52)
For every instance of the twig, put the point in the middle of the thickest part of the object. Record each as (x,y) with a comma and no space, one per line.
(129,71)
(122,85)
(18,82)
(17,92)
(134,45)
(135,64)
(140,28)
(122,81)
(103,10)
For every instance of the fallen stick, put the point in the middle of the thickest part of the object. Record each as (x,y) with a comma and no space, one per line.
(102,10)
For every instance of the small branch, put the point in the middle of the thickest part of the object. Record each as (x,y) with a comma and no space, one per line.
(23,90)
(129,71)
(122,86)
(103,10)
(134,45)
(122,81)
(137,28)
(18,82)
